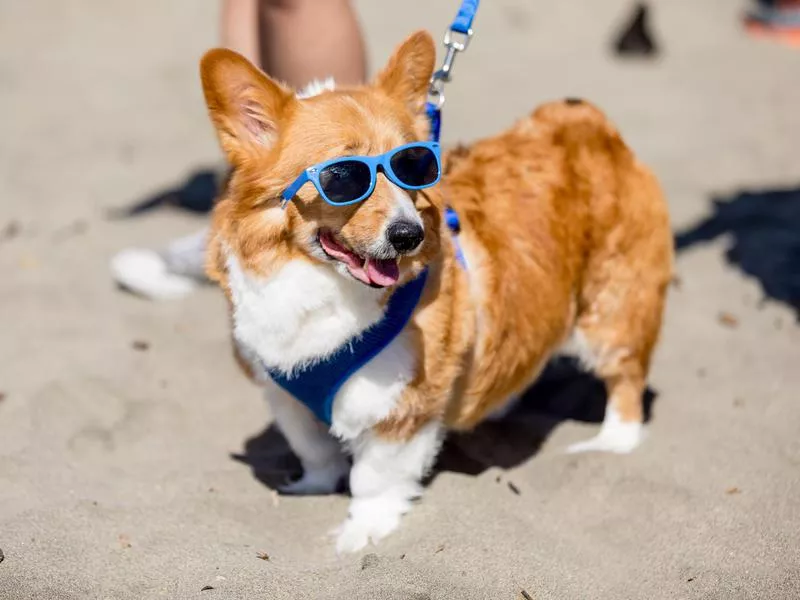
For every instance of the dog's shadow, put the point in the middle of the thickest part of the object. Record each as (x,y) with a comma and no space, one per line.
(563,392)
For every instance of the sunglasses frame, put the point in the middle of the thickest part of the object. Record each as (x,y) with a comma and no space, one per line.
(374,163)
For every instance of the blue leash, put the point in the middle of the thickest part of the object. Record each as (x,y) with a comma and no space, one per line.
(316,385)
(456,40)
(463,20)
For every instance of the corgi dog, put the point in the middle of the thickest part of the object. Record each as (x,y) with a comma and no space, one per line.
(334,216)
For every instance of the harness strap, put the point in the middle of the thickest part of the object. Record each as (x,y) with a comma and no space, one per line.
(435,118)
(316,385)
(454,225)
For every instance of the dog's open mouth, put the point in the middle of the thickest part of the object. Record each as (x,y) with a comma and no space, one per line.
(376,272)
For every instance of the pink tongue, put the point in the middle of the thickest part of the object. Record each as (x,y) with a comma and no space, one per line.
(337,251)
(383,272)
(377,272)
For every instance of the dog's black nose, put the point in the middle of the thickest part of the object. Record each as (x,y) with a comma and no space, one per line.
(404,236)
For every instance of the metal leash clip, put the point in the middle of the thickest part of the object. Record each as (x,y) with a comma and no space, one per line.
(454,42)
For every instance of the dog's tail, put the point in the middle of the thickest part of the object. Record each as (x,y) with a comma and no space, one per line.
(592,143)
(574,118)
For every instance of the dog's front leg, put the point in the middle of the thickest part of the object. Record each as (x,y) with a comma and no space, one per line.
(384,480)
(324,464)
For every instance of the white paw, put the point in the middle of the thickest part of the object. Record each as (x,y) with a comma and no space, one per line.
(318,480)
(371,519)
(355,534)
(145,272)
(617,437)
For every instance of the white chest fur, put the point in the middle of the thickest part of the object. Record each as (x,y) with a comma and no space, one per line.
(303,313)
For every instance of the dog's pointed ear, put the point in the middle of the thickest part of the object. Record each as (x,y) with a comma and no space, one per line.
(244,104)
(409,70)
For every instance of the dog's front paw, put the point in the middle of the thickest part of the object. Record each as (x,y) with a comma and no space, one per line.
(371,519)
(355,533)
(318,480)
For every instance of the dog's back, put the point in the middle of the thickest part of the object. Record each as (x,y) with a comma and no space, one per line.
(566,233)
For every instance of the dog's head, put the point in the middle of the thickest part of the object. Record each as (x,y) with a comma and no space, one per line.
(271,136)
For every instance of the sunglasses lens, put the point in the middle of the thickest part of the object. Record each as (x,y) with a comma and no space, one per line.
(345,181)
(415,166)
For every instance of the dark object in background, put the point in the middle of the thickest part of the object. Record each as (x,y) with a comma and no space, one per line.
(765,229)
(636,38)
(197,194)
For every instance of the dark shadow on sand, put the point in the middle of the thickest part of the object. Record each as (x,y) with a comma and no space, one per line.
(563,392)
(270,458)
(196,194)
(764,231)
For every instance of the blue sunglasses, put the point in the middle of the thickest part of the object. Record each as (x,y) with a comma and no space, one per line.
(351,179)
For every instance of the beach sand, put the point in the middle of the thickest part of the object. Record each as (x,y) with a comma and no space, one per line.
(135,459)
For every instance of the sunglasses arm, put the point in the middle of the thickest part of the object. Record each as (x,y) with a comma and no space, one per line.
(292,190)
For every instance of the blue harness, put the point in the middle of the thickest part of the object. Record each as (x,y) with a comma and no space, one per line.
(316,385)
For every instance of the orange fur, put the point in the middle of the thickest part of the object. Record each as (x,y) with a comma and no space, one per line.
(562,227)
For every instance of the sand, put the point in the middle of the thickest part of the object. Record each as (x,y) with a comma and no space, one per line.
(121,420)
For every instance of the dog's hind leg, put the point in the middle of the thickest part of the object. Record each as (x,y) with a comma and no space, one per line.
(621,300)
(622,428)
(324,464)
(384,480)
(173,273)
(617,332)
